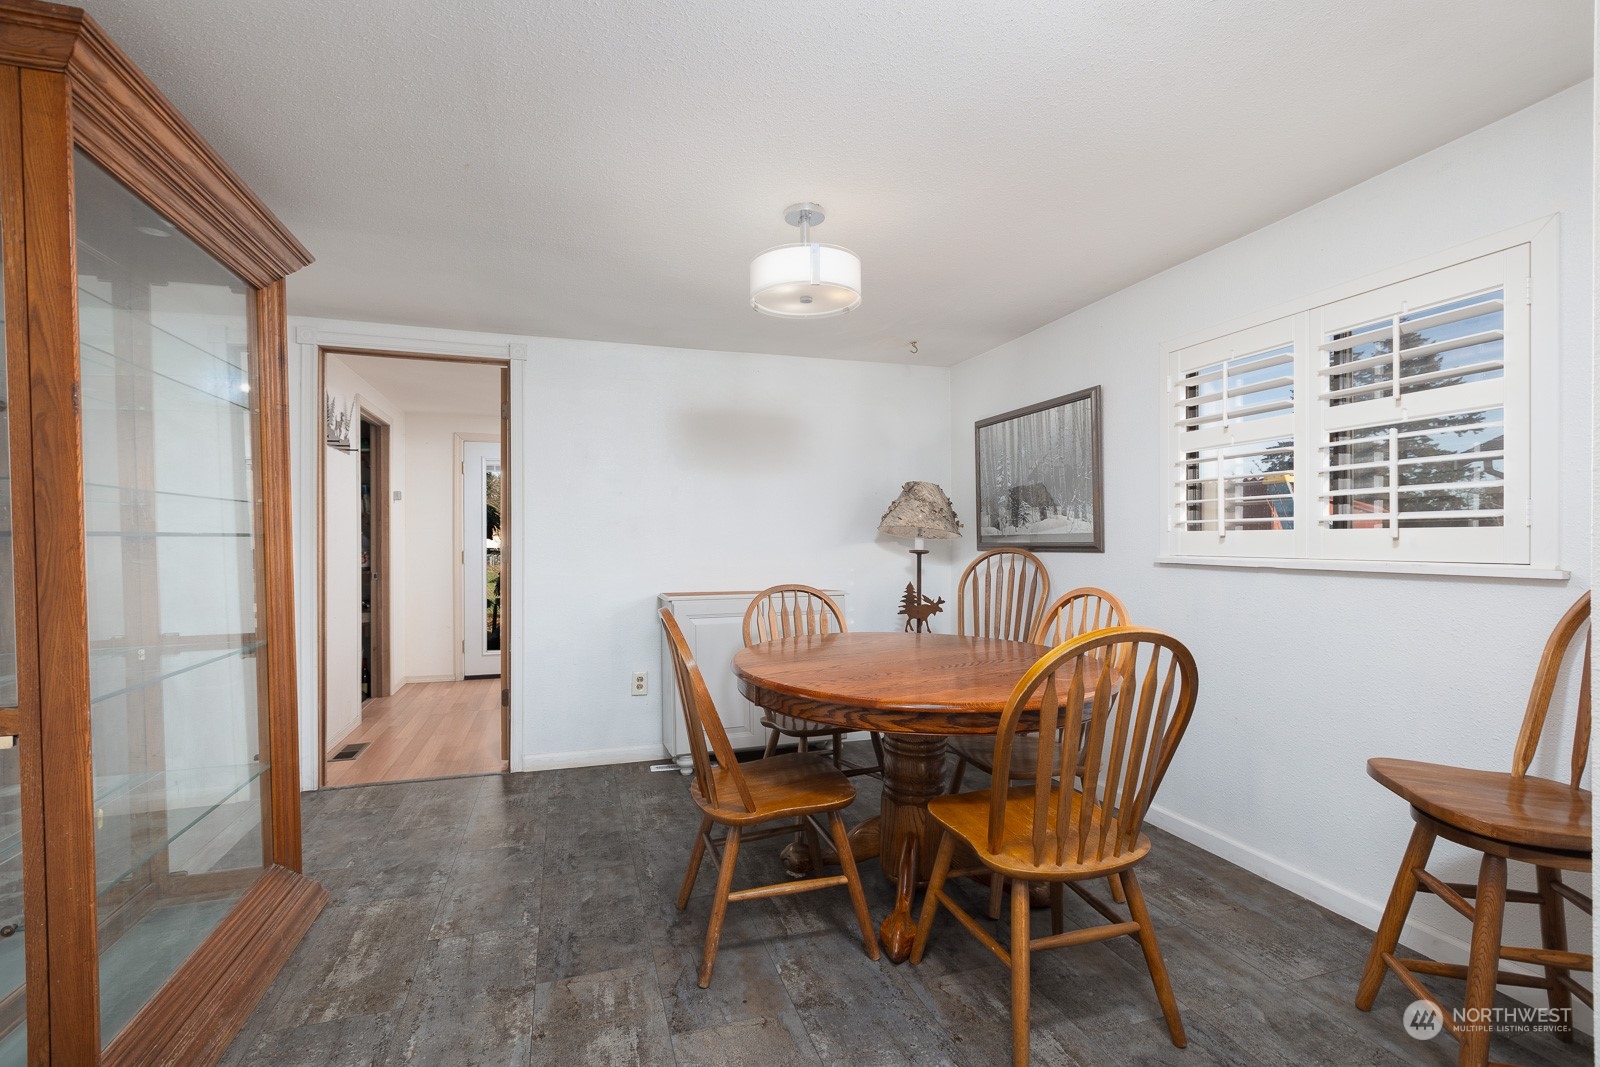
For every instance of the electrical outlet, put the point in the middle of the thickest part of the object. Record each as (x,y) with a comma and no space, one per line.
(641,683)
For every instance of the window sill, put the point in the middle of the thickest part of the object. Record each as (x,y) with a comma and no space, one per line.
(1451,570)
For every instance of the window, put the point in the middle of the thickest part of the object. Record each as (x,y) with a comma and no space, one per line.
(1386,423)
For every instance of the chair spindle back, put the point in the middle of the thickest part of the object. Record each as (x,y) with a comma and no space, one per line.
(1544,687)
(1002,594)
(1138,710)
(704,724)
(1077,612)
(781,611)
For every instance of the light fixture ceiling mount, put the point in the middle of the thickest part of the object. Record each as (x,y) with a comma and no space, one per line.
(805,280)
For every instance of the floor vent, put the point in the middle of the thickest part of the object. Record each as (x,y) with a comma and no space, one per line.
(349,752)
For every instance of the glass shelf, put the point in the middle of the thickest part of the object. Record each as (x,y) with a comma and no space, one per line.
(92,302)
(114,511)
(105,493)
(142,535)
(180,798)
(138,816)
(176,349)
(227,391)
(160,663)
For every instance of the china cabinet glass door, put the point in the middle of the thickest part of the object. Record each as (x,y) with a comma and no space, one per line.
(172,516)
(13,928)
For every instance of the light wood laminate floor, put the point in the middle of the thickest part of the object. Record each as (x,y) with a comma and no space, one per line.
(528,920)
(425,730)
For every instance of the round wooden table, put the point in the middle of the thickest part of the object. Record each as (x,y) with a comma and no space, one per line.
(915,689)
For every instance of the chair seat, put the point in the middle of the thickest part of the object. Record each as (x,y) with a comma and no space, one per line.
(967,816)
(793,727)
(787,786)
(1528,811)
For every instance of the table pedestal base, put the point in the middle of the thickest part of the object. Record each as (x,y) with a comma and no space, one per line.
(900,836)
(913,774)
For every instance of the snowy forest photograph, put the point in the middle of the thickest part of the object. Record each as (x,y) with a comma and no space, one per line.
(1039,476)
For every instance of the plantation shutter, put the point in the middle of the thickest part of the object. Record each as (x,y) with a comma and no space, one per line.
(1422,417)
(1231,422)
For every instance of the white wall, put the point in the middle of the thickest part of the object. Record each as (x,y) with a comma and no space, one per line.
(342,616)
(679,470)
(342,498)
(640,470)
(1303,676)
(431,553)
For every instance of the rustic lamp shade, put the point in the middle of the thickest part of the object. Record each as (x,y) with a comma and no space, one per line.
(921,510)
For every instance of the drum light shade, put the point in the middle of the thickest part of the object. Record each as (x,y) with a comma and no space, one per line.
(805,280)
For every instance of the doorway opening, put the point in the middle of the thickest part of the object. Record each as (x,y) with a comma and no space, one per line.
(374,527)
(414,566)
(479,491)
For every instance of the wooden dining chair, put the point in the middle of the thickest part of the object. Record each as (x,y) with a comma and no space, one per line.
(781,611)
(1002,594)
(791,790)
(1074,613)
(1080,611)
(1051,832)
(1504,816)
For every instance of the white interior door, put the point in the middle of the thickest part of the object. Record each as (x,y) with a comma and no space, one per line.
(480,558)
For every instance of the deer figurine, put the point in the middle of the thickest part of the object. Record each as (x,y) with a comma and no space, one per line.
(919,610)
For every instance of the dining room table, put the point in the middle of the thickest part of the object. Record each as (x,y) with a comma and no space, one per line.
(917,690)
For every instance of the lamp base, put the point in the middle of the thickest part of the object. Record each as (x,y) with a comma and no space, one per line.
(917,608)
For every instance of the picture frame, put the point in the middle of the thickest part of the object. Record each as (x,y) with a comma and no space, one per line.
(336,418)
(1041,476)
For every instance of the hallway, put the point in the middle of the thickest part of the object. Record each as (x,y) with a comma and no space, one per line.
(425,730)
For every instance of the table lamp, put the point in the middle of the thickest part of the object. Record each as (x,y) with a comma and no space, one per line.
(921,511)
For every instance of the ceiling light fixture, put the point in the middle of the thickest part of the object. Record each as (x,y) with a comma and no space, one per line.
(805,280)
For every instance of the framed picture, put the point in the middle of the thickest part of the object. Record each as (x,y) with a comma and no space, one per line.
(1040,477)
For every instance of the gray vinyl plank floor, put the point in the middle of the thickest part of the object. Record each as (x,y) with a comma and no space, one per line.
(529,919)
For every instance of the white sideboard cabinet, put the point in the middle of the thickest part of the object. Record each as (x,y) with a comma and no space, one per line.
(713,623)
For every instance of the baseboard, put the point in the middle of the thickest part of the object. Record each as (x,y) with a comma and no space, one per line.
(1304,883)
(1428,940)
(596,757)
(410,678)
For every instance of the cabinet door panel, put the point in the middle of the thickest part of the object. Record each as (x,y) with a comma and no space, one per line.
(715,639)
(172,506)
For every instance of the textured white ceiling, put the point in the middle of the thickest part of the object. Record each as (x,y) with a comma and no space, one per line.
(606,168)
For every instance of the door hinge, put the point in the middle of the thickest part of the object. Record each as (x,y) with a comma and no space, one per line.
(505,410)
(505,698)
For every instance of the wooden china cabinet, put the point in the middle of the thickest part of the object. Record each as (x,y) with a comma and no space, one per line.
(149,794)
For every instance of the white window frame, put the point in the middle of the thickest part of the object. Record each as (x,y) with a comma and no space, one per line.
(1531,385)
